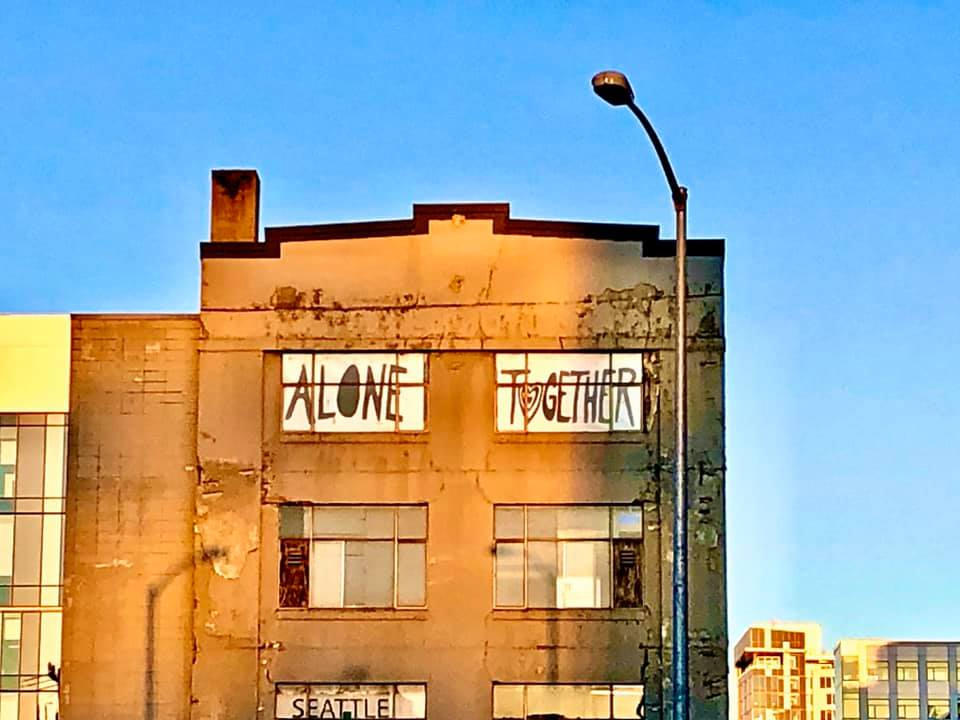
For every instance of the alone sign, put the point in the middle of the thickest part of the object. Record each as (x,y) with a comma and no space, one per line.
(353,392)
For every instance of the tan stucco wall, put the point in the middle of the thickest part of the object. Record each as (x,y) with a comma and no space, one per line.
(129,544)
(34,363)
(463,291)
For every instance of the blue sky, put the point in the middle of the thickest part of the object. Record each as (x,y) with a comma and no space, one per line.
(818,138)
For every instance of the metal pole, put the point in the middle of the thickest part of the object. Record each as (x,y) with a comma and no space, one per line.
(681,699)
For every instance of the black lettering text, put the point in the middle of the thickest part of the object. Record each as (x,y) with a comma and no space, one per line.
(298,707)
(374,391)
(606,377)
(622,393)
(348,395)
(560,416)
(517,389)
(321,413)
(393,393)
(301,392)
(549,399)
(579,375)
(327,708)
(590,393)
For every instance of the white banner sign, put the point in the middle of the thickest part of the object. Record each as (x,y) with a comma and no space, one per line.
(569,392)
(358,702)
(354,392)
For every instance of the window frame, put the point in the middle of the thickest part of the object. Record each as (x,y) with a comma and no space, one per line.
(614,386)
(941,702)
(313,384)
(903,670)
(525,542)
(852,696)
(393,685)
(909,703)
(46,508)
(609,687)
(311,539)
(934,666)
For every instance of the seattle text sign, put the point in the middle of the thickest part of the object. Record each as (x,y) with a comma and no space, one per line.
(360,702)
(353,392)
(569,392)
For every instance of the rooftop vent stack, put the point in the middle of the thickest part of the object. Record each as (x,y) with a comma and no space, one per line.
(234,206)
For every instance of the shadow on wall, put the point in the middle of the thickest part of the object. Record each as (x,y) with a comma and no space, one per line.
(153,593)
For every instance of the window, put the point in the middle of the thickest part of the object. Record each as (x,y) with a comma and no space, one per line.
(826,681)
(582,556)
(829,698)
(381,701)
(336,556)
(563,702)
(32,451)
(354,392)
(880,670)
(908,709)
(570,392)
(937,670)
(907,670)
(32,483)
(28,641)
(938,709)
(784,638)
(757,637)
(878,709)
(851,705)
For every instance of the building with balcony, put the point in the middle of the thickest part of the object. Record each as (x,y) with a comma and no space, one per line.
(782,673)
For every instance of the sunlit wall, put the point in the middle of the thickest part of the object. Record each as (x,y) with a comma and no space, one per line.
(34,397)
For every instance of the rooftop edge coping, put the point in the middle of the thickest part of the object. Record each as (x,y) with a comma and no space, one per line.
(499,213)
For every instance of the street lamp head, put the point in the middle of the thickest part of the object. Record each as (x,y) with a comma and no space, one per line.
(613,87)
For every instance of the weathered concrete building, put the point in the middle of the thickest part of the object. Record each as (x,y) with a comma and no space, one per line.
(416,468)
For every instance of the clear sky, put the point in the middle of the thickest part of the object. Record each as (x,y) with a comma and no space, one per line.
(819,138)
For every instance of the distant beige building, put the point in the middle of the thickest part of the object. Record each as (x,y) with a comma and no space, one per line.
(903,680)
(783,674)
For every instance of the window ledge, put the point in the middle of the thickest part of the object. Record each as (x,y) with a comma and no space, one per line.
(596,614)
(351,614)
(412,437)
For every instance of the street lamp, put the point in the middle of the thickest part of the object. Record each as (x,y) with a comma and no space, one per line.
(614,87)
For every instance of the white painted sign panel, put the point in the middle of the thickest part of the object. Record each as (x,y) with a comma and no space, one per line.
(354,392)
(358,702)
(569,392)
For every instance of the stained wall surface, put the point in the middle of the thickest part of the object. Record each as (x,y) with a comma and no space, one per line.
(460,286)
(129,555)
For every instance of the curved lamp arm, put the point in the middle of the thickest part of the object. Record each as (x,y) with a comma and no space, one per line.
(677,191)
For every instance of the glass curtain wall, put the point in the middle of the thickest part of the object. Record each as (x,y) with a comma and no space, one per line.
(32,489)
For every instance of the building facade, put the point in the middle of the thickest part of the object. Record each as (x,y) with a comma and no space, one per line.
(396,469)
(34,377)
(782,673)
(897,680)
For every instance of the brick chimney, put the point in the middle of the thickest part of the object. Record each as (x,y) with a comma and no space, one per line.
(235,206)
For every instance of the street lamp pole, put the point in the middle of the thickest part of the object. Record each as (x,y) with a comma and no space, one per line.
(614,87)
